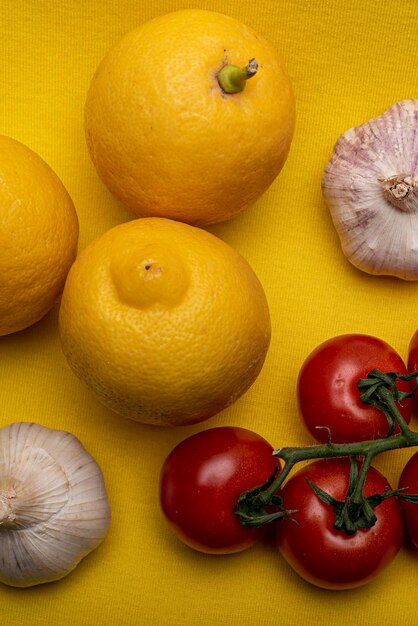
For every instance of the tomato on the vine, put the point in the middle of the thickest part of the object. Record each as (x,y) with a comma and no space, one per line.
(408,482)
(201,480)
(327,557)
(328,397)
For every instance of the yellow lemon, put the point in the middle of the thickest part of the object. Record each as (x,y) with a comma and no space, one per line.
(38,236)
(165,322)
(190,116)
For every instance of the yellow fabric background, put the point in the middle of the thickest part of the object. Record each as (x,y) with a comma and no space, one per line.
(349,61)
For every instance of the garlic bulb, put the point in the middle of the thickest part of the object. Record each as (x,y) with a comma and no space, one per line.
(371,187)
(53,504)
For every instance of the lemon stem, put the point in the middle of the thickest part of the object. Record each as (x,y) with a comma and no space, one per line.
(232,79)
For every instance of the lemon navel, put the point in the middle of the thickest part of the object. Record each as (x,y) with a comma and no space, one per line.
(149,275)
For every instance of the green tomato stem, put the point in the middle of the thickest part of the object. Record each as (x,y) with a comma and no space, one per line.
(358,496)
(232,79)
(366,449)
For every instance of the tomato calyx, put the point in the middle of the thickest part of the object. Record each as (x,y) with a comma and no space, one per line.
(258,506)
(262,504)
(379,389)
(356,510)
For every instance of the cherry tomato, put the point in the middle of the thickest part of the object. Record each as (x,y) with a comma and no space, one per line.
(327,557)
(408,481)
(201,480)
(329,400)
(413,363)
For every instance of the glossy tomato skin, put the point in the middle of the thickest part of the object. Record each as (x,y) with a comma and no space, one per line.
(408,481)
(413,364)
(201,480)
(320,554)
(328,398)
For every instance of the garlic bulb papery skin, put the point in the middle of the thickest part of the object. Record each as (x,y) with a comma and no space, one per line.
(54,508)
(371,187)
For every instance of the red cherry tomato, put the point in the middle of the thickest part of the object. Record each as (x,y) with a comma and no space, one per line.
(329,400)
(201,480)
(408,481)
(327,557)
(413,363)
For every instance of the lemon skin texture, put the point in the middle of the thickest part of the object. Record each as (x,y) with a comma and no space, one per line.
(38,236)
(165,138)
(166,323)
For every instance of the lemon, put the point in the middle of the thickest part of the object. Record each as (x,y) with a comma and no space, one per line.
(38,236)
(169,138)
(165,322)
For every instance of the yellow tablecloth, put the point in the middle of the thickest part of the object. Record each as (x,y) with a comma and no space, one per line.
(349,61)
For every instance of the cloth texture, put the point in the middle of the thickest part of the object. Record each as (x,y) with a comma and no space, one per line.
(348,61)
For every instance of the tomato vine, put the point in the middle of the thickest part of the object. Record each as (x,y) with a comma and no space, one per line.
(262,504)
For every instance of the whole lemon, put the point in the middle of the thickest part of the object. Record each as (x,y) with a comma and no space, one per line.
(38,236)
(165,322)
(167,139)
